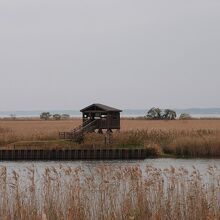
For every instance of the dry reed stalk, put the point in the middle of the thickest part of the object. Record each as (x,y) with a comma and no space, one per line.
(182,138)
(107,192)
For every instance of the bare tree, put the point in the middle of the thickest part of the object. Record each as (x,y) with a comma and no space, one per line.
(45,115)
(57,116)
(169,114)
(185,116)
(154,113)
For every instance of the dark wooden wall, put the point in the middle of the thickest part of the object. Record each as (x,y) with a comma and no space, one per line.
(77,154)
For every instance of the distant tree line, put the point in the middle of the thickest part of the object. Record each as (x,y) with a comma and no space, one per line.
(152,114)
(48,115)
(166,114)
(159,114)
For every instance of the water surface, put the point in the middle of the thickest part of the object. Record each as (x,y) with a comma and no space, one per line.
(201,164)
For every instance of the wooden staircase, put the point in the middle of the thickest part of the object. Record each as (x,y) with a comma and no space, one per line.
(77,133)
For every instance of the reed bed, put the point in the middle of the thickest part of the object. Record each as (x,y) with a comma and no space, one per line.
(191,138)
(182,143)
(14,131)
(108,193)
(194,143)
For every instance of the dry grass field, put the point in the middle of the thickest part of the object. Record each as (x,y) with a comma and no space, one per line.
(50,128)
(170,125)
(179,137)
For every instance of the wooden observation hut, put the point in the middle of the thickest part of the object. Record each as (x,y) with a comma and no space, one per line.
(95,117)
(102,116)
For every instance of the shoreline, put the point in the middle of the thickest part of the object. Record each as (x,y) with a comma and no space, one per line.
(125,117)
(87,154)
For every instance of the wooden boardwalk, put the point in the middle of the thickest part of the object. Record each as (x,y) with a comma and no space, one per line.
(76,154)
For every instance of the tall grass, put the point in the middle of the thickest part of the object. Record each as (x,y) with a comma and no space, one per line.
(110,193)
(196,138)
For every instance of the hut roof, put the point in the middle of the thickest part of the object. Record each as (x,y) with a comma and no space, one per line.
(100,107)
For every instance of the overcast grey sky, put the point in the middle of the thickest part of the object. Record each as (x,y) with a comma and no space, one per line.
(130,54)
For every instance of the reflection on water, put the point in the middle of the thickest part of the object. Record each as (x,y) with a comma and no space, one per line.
(201,164)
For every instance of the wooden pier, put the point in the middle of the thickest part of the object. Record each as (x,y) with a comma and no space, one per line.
(76,154)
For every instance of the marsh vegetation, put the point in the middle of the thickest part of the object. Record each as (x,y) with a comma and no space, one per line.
(192,138)
(107,192)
